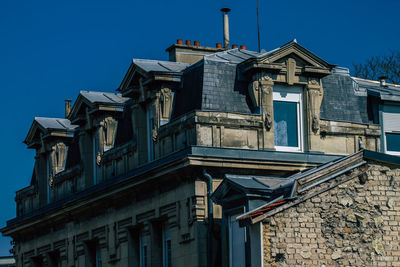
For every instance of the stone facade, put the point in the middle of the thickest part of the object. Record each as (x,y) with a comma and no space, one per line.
(126,178)
(356,223)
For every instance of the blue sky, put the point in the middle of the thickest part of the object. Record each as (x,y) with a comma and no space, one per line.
(50,50)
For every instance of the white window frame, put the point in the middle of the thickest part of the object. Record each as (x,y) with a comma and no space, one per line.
(396,153)
(387,114)
(292,94)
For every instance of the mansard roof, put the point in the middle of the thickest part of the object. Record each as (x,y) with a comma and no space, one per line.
(44,127)
(96,101)
(342,100)
(219,82)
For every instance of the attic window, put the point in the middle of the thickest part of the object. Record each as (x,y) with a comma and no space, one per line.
(393,143)
(391,129)
(288,116)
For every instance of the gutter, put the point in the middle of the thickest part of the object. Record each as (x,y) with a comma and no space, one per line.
(209,180)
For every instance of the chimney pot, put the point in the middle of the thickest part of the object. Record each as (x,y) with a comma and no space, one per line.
(188,42)
(234,46)
(196,43)
(219,45)
(179,41)
(243,47)
(67,107)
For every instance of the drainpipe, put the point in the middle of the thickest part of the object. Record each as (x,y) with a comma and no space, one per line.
(210,216)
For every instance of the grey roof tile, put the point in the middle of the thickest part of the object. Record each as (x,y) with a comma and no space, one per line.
(103,97)
(161,66)
(55,123)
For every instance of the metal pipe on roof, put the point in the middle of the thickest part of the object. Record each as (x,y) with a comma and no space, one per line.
(225,19)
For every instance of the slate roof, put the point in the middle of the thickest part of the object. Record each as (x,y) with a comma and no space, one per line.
(55,123)
(103,97)
(159,66)
(212,84)
(342,101)
(259,183)
(232,56)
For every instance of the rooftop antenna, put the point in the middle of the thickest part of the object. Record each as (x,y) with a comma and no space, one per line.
(225,11)
(258,30)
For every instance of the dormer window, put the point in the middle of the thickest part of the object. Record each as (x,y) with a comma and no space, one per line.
(288,118)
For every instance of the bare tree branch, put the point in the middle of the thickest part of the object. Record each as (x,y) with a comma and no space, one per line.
(387,65)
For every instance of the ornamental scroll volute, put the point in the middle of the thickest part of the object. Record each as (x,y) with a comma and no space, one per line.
(260,92)
(315,94)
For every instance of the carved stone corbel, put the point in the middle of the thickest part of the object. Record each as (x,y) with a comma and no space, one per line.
(261,95)
(106,135)
(254,93)
(315,94)
(165,103)
(266,85)
(57,159)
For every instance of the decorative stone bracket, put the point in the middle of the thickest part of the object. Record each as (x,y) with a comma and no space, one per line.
(57,159)
(106,135)
(261,95)
(165,103)
(315,94)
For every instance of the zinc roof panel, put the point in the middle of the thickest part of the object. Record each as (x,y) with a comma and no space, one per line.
(55,123)
(103,97)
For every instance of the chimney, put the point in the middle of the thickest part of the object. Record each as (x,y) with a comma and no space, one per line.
(67,107)
(382,80)
(225,18)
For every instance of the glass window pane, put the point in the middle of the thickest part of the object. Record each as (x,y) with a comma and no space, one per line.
(392,142)
(285,124)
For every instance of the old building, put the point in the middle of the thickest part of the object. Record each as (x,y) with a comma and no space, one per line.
(126,178)
(342,213)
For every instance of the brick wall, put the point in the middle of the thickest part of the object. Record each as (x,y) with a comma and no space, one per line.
(353,224)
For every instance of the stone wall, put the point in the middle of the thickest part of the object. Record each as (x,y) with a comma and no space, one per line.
(354,224)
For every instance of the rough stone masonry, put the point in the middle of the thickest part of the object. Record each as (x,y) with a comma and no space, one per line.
(354,224)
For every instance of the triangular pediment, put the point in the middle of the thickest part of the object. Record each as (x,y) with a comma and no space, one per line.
(44,127)
(301,55)
(132,79)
